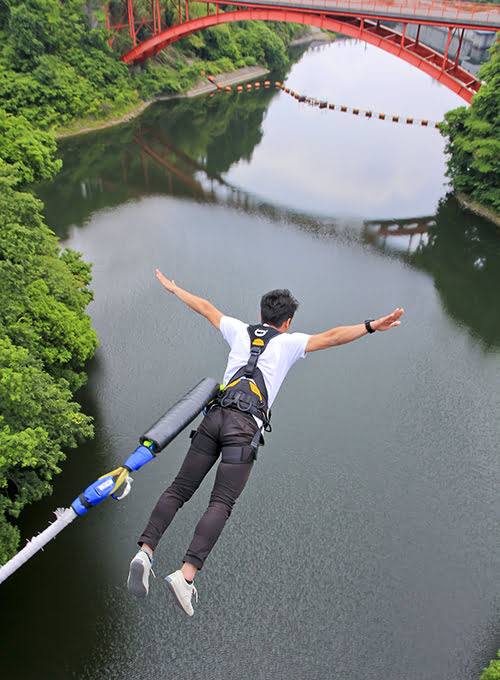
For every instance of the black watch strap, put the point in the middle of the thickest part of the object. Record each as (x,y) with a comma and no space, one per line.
(368,326)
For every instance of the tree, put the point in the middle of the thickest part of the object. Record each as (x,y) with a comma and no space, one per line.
(474,139)
(31,150)
(493,670)
(45,340)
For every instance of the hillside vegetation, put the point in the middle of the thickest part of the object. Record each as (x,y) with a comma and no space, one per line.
(55,68)
(474,139)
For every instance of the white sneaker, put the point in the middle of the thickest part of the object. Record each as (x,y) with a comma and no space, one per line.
(183,591)
(138,575)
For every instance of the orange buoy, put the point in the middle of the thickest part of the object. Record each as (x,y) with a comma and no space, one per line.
(240,88)
(395,119)
(219,86)
(381,116)
(355,111)
(331,106)
(425,123)
(278,84)
(266,83)
(228,88)
(257,85)
(249,86)
(287,90)
(343,108)
(211,78)
(368,114)
(203,73)
(409,121)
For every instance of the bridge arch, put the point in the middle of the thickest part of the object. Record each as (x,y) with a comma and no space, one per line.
(430,61)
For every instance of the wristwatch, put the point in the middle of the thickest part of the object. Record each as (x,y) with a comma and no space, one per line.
(368,326)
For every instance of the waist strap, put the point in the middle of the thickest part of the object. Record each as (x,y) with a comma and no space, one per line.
(246,402)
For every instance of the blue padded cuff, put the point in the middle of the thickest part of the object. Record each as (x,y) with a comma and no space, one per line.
(93,494)
(140,457)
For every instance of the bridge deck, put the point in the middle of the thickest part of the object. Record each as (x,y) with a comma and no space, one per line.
(471,15)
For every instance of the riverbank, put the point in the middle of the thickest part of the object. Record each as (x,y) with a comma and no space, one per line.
(204,86)
(477,208)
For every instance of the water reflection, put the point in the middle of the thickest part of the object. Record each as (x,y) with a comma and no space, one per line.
(185,150)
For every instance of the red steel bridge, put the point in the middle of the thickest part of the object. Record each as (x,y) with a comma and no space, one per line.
(372,21)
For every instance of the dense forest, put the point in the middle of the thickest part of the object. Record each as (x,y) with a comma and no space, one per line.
(45,335)
(55,68)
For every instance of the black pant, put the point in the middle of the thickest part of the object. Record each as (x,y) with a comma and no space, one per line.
(220,428)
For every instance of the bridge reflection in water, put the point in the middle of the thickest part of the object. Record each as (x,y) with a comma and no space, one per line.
(154,148)
(458,250)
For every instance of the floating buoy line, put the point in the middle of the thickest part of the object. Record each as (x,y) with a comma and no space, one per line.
(321,104)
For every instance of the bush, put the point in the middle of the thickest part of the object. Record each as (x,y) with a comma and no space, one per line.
(493,670)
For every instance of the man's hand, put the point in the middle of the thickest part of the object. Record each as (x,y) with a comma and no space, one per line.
(341,335)
(389,321)
(166,283)
(198,304)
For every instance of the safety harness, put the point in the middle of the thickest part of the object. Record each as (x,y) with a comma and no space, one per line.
(246,392)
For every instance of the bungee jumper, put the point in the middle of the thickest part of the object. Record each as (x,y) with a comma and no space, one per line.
(259,359)
(157,437)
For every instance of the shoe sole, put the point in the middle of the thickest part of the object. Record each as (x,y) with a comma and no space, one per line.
(177,601)
(135,582)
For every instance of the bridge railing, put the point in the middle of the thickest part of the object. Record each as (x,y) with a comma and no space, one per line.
(487,13)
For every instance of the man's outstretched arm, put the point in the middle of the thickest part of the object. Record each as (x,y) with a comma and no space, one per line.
(200,305)
(344,334)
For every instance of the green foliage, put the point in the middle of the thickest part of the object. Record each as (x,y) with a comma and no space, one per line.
(474,139)
(31,150)
(45,335)
(493,670)
(244,43)
(54,68)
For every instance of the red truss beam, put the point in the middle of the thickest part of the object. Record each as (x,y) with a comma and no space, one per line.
(438,66)
(132,21)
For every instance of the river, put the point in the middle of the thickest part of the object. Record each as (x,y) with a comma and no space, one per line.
(365,545)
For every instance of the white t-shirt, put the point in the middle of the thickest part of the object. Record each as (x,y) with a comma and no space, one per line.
(278,358)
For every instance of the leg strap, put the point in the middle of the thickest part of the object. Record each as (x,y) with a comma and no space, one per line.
(203,444)
(242,454)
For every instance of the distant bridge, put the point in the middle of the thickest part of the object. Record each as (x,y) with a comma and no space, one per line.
(368,20)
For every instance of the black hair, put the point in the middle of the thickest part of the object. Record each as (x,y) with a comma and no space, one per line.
(277,306)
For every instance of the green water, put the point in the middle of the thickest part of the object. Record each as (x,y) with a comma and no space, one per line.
(364,546)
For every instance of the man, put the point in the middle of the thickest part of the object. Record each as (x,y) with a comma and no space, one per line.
(259,359)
